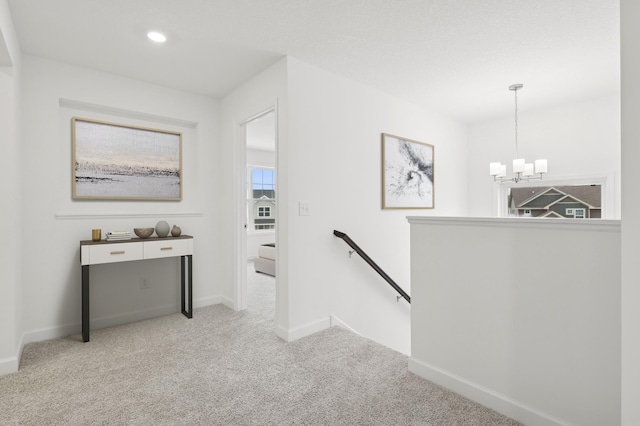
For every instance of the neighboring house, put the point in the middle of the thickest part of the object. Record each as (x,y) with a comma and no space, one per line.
(264,209)
(579,202)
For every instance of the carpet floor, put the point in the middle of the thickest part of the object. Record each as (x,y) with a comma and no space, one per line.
(225,368)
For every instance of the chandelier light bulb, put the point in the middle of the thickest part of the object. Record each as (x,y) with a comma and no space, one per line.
(156,36)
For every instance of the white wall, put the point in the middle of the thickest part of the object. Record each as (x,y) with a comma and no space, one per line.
(630,40)
(578,139)
(333,162)
(54,223)
(266,90)
(522,316)
(10,194)
(329,155)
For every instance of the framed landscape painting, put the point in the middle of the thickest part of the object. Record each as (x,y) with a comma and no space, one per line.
(121,162)
(407,173)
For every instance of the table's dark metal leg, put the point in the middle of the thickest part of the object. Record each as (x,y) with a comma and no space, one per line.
(182,284)
(190,286)
(183,288)
(85,303)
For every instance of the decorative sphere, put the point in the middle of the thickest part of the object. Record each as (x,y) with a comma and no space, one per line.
(162,229)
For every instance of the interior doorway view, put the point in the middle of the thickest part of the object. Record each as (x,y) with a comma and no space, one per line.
(260,195)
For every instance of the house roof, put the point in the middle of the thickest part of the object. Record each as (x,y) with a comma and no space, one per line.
(264,193)
(541,196)
(551,213)
(572,200)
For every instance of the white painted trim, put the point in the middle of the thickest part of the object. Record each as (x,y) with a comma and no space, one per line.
(80,216)
(337,322)
(484,396)
(125,113)
(240,196)
(281,333)
(111,321)
(20,349)
(596,225)
(9,365)
(208,301)
(51,333)
(303,330)
(226,302)
(241,221)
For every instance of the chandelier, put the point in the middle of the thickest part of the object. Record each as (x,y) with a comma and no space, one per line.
(522,170)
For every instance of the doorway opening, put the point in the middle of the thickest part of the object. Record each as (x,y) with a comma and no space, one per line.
(260,211)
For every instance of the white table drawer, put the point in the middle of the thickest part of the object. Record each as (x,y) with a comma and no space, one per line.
(166,248)
(119,252)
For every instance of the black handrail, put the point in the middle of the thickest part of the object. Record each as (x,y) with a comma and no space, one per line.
(373,264)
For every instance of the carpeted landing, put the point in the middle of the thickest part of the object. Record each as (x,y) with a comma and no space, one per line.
(225,368)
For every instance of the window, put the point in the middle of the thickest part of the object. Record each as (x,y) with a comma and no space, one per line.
(264,211)
(261,198)
(556,201)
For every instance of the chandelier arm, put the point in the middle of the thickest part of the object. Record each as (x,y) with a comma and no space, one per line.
(517,178)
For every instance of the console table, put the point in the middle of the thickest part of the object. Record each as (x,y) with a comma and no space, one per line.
(99,252)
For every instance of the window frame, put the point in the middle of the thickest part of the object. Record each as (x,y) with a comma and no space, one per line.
(607,196)
(264,211)
(250,214)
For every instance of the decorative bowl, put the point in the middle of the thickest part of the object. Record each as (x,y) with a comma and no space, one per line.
(143,232)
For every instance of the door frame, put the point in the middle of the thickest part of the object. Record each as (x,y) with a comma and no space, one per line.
(240,296)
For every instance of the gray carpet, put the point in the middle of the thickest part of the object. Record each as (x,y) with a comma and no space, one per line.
(225,368)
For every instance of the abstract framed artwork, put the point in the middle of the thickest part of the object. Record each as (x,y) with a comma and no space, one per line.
(122,162)
(407,173)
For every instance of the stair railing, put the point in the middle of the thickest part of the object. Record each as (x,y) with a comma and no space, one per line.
(373,264)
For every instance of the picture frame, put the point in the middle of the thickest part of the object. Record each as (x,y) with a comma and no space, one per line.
(407,173)
(113,161)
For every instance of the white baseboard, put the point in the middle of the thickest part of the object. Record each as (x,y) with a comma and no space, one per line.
(337,322)
(9,365)
(12,364)
(303,330)
(104,322)
(226,302)
(484,396)
(281,333)
(208,301)
(111,321)
(51,333)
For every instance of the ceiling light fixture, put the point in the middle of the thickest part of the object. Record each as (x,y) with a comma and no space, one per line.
(523,171)
(156,36)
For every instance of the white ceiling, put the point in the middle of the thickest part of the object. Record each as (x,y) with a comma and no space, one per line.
(453,56)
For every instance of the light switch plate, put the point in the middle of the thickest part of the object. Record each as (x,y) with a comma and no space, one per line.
(304,209)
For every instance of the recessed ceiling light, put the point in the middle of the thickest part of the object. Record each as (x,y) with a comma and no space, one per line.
(156,36)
